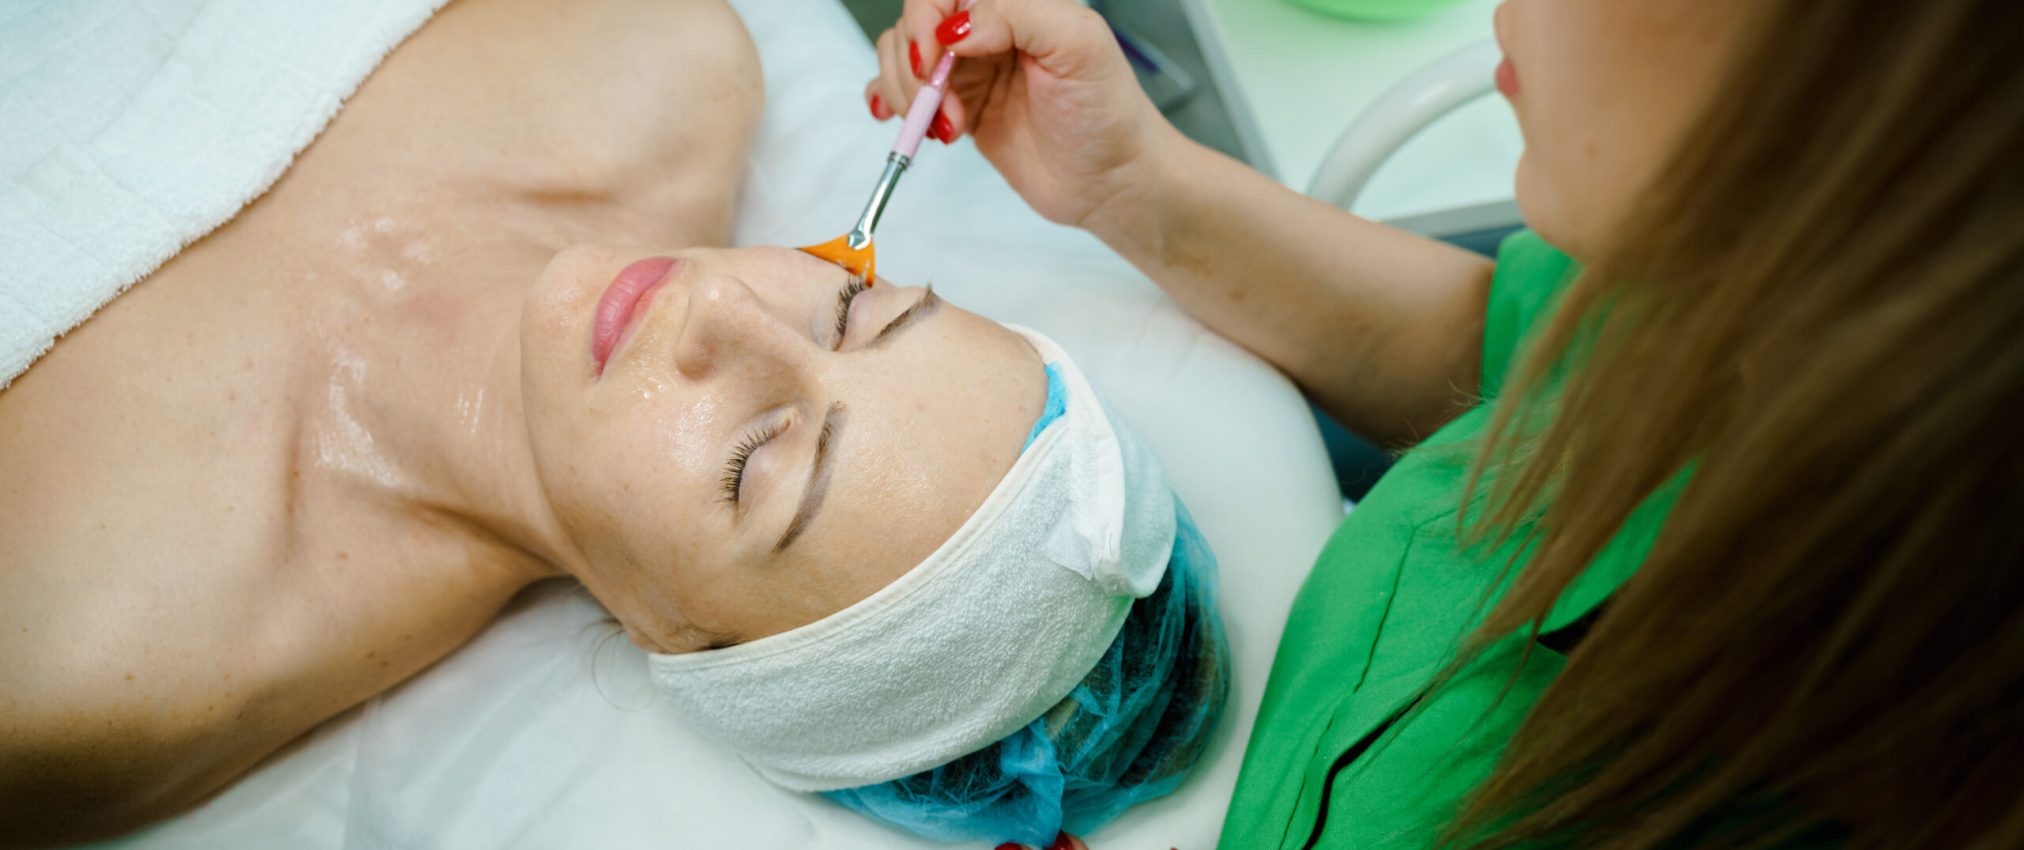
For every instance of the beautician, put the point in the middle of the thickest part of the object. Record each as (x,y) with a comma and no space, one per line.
(1706,532)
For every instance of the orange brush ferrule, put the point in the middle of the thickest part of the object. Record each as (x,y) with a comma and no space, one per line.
(853,250)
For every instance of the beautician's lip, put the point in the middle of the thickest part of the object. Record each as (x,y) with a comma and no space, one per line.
(623,302)
(1506,76)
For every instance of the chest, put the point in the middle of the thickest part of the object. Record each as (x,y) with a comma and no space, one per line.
(168,544)
(1352,748)
(161,528)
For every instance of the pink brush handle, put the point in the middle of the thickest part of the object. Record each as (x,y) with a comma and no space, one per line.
(927,102)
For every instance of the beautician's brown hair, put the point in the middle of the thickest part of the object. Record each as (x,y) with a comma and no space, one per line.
(1819,312)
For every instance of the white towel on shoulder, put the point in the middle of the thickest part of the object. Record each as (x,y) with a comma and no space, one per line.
(131,128)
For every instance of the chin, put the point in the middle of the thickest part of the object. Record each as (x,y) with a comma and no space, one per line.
(1542,209)
(555,316)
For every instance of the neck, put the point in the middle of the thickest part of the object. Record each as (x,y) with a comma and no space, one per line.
(421,407)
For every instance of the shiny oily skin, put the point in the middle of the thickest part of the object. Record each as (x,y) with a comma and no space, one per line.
(739,346)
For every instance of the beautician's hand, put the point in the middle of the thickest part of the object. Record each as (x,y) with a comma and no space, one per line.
(1043,88)
(1382,327)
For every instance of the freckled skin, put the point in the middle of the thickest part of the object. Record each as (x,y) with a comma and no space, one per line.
(931,421)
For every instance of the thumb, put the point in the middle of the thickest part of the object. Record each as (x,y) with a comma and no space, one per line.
(1064,36)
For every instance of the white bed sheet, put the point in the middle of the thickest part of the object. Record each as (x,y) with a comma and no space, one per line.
(543,733)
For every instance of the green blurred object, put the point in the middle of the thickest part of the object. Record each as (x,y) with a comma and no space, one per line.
(1374,10)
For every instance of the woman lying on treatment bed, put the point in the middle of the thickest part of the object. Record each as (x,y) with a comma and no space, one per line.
(464,345)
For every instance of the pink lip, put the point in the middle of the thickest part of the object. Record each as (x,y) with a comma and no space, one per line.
(1507,73)
(621,302)
(1507,78)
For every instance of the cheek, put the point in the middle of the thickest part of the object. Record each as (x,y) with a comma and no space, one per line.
(1572,178)
(958,447)
(621,479)
(1606,89)
(1562,112)
(925,474)
(555,327)
(642,551)
(559,299)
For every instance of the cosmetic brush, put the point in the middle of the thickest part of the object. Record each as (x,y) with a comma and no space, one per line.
(853,250)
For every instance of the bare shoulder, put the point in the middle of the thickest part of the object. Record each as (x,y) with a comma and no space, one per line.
(622,115)
(95,742)
(168,625)
(128,701)
(131,660)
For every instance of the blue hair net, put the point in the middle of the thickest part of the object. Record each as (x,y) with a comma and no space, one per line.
(1129,733)
(1050,410)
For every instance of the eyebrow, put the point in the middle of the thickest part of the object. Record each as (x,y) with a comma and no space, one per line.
(832,422)
(818,476)
(920,309)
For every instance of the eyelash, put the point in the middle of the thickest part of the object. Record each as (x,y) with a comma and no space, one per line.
(734,472)
(843,298)
(733,479)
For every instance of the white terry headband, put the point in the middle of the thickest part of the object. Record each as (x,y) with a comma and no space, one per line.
(987,634)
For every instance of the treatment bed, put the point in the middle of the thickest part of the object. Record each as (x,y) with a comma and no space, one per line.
(543,732)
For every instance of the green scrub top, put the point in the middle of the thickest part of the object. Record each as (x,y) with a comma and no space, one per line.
(1335,760)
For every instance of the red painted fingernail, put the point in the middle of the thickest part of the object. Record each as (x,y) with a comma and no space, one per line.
(941,129)
(1010,846)
(914,56)
(953,28)
(1060,842)
(877,106)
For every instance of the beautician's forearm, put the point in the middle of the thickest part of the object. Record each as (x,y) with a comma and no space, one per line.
(1381,327)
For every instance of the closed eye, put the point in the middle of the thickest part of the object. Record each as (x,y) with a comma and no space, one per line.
(732,483)
(843,299)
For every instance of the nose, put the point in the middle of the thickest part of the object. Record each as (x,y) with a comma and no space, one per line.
(728,326)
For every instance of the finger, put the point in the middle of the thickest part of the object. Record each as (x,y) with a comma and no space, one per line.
(1065,37)
(881,86)
(893,61)
(950,118)
(942,129)
(898,84)
(954,113)
(918,19)
(971,89)
(972,80)
(876,101)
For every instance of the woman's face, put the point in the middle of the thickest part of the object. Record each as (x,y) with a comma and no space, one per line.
(1602,90)
(761,443)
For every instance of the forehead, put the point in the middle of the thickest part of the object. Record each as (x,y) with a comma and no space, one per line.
(931,430)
